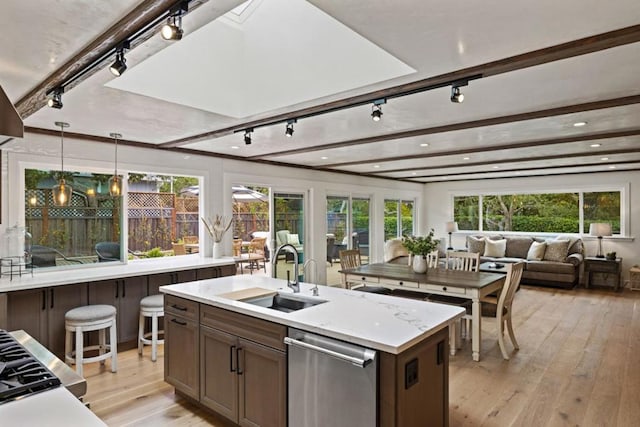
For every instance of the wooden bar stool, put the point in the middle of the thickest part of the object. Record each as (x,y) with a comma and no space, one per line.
(91,318)
(151,306)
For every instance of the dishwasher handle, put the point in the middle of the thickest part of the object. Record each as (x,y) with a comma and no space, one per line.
(361,363)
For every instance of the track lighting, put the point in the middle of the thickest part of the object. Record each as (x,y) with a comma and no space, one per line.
(119,66)
(247,136)
(376,109)
(172,30)
(55,98)
(456,95)
(289,130)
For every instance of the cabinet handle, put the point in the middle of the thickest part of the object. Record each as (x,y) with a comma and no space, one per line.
(124,289)
(440,356)
(240,372)
(179,322)
(51,295)
(177,307)
(231,351)
(117,288)
(44,299)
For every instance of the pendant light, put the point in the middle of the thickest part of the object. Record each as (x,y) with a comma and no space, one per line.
(61,191)
(115,183)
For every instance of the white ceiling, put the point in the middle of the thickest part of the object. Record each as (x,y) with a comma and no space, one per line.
(286,56)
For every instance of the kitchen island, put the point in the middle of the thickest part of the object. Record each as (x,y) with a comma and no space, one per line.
(230,356)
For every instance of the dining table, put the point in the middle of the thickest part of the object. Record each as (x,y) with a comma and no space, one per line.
(462,284)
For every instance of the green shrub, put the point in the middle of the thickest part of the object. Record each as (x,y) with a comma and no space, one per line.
(155,253)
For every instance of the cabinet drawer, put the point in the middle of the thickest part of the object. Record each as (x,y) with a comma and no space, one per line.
(602,267)
(443,289)
(353,278)
(398,283)
(257,330)
(181,307)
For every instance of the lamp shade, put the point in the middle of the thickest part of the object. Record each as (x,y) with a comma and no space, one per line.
(452,227)
(600,229)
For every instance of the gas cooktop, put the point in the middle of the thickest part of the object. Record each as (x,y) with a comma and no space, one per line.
(21,374)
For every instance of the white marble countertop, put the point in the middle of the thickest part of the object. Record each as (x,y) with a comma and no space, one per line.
(51,408)
(380,322)
(103,271)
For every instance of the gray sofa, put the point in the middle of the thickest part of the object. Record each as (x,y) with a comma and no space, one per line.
(559,266)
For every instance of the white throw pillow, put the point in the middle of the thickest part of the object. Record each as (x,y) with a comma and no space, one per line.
(536,251)
(293,239)
(495,248)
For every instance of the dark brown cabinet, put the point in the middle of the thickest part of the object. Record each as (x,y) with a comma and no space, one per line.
(181,352)
(163,279)
(215,272)
(40,312)
(125,295)
(243,368)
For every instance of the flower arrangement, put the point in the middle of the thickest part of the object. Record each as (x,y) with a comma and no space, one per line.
(217,227)
(420,245)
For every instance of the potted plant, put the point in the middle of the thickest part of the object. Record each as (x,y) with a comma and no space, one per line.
(420,247)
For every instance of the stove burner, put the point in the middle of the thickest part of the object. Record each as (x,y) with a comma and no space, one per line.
(21,374)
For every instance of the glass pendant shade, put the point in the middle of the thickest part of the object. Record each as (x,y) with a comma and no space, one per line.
(61,191)
(115,186)
(115,182)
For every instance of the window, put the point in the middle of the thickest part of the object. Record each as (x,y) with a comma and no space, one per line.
(398,218)
(538,212)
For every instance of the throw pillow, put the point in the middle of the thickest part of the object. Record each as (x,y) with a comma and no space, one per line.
(536,251)
(575,243)
(556,250)
(495,248)
(475,244)
(293,239)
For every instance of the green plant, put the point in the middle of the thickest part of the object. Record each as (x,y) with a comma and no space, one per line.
(420,245)
(155,253)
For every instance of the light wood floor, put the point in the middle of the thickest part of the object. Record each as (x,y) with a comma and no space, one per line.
(578,365)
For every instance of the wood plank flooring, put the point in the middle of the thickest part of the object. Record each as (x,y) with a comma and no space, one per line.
(578,365)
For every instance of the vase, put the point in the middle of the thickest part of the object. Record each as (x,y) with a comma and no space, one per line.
(419,264)
(217,249)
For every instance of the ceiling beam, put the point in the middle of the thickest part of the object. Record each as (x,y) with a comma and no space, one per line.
(487,148)
(570,49)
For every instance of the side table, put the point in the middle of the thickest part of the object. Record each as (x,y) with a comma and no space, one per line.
(605,266)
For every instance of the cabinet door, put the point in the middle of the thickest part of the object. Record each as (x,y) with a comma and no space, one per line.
(181,356)
(185,276)
(27,310)
(262,386)
(207,273)
(132,290)
(60,300)
(219,372)
(227,270)
(157,280)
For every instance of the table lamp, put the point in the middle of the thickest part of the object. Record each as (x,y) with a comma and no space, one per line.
(452,227)
(600,229)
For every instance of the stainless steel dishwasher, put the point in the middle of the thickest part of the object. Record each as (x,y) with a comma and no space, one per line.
(331,382)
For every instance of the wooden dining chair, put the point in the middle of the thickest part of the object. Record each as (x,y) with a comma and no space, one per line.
(432,259)
(237,247)
(256,253)
(467,261)
(190,239)
(351,258)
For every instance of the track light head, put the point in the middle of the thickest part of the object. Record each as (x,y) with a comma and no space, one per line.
(172,30)
(119,66)
(289,130)
(376,109)
(55,98)
(456,95)
(247,136)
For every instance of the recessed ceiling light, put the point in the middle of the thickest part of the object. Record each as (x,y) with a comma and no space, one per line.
(424,144)
(465,158)
(596,145)
(234,147)
(579,124)
(612,167)
(517,173)
(496,167)
(376,166)
(324,157)
(604,159)
(414,173)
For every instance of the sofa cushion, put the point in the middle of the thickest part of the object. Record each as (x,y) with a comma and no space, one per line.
(393,248)
(475,244)
(293,239)
(536,251)
(518,246)
(556,250)
(575,244)
(550,267)
(495,248)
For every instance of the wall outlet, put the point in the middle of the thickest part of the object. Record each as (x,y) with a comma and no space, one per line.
(410,373)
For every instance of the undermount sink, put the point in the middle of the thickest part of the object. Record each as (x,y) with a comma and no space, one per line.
(285,302)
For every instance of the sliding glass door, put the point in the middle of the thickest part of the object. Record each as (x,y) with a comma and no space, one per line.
(288,228)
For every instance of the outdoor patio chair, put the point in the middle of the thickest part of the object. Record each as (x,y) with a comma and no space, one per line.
(108,251)
(44,256)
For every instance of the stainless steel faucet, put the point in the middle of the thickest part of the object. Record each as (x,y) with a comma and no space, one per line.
(295,285)
(307,278)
